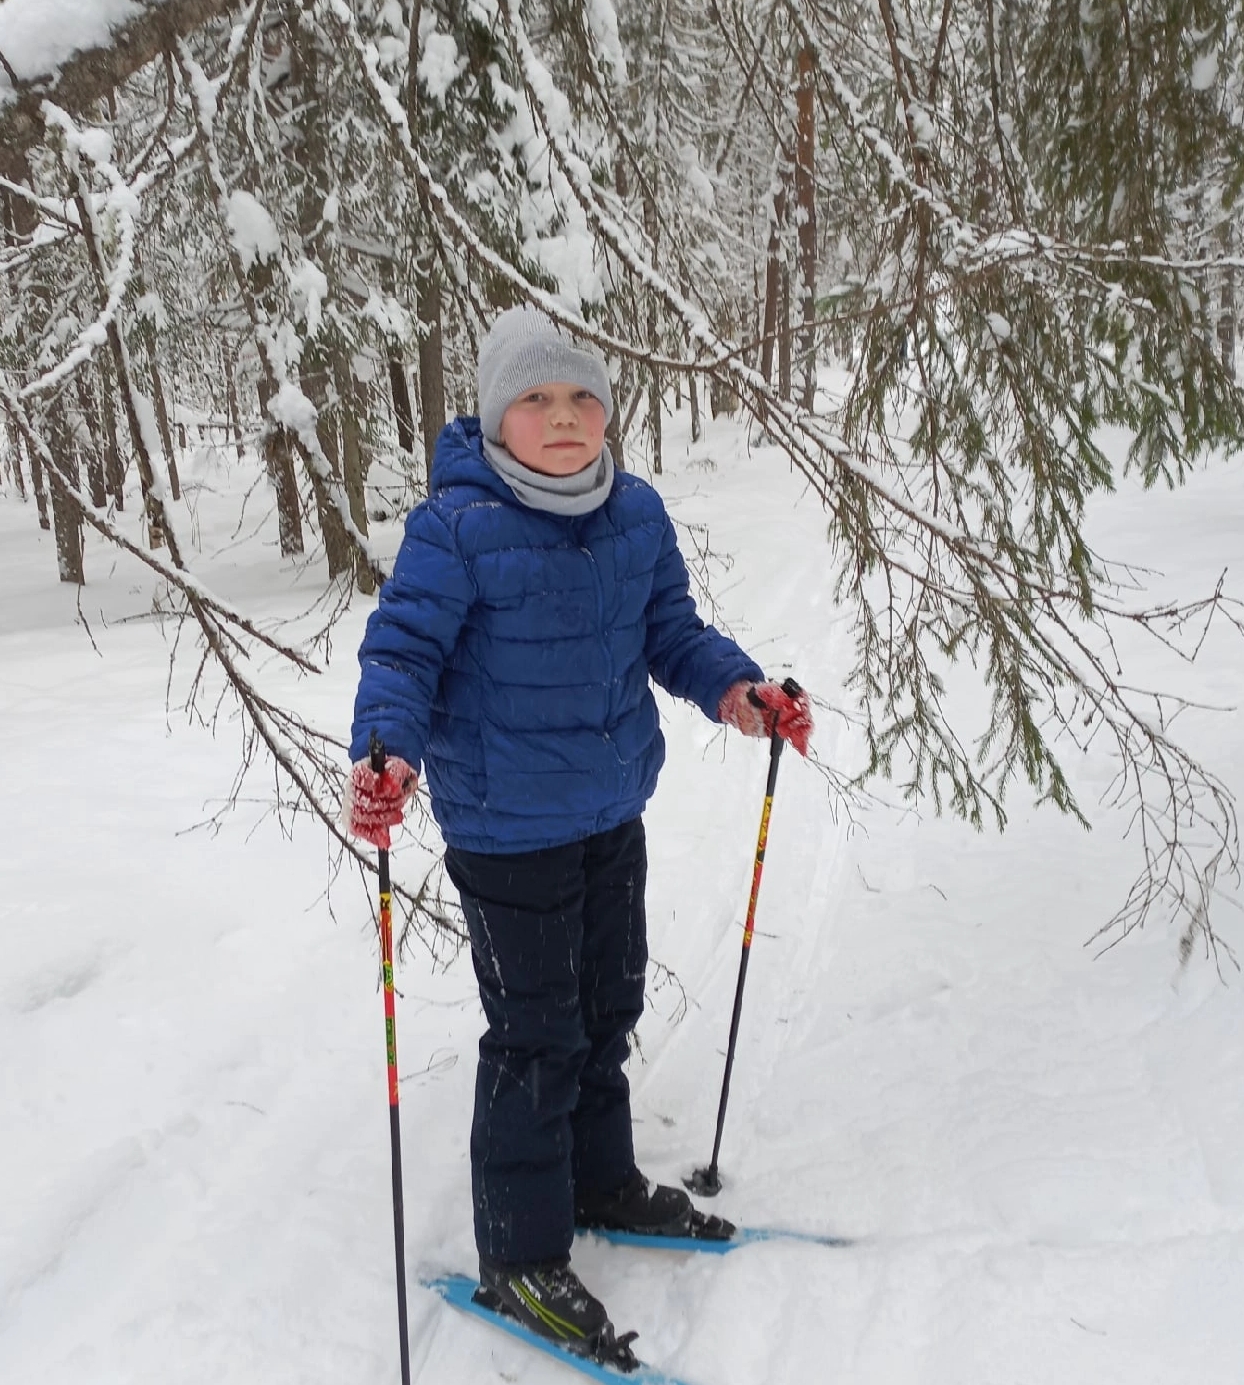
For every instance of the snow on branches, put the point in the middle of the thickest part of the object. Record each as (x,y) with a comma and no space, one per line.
(998,247)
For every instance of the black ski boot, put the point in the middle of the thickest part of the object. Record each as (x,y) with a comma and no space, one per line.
(550,1299)
(648,1209)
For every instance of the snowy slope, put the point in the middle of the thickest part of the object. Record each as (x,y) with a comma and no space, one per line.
(1037,1150)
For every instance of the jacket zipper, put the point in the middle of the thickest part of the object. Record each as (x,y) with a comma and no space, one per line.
(600,621)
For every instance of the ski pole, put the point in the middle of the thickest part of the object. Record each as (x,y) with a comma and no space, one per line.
(707,1181)
(390,1041)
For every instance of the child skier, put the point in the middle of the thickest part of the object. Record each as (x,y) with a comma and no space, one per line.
(536,592)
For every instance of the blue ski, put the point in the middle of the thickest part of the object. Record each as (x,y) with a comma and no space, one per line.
(743,1236)
(459,1291)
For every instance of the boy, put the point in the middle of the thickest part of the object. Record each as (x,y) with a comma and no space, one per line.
(536,592)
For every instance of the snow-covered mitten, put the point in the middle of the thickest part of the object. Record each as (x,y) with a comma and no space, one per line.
(752,708)
(375,802)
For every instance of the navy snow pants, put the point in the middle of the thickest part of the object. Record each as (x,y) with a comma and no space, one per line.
(558,937)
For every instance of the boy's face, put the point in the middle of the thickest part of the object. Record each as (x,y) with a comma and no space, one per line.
(556,429)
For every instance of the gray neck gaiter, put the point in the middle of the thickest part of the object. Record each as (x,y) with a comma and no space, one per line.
(579,494)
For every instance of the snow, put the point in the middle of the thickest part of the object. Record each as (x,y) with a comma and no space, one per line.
(291,408)
(149,427)
(95,144)
(38,36)
(252,229)
(1035,1147)
(150,305)
(440,66)
(602,24)
(1204,71)
(365,368)
(922,124)
(308,287)
(698,183)
(572,261)
(389,316)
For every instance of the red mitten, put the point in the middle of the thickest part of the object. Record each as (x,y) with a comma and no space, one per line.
(753,707)
(375,802)
(738,710)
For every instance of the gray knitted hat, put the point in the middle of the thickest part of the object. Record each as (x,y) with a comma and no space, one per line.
(523,349)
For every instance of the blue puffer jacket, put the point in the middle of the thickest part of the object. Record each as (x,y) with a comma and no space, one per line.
(510,653)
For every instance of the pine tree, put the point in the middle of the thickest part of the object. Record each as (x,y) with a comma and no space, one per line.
(1009,227)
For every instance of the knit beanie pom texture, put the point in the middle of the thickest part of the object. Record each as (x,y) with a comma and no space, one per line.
(524,349)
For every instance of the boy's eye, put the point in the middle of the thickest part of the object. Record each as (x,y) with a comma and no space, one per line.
(584,394)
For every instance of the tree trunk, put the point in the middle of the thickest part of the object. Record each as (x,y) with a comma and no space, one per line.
(654,375)
(153,508)
(21,224)
(403,408)
(158,532)
(1226,327)
(149,343)
(431,362)
(231,397)
(614,430)
(16,452)
(722,398)
(39,485)
(317,365)
(132,402)
(21,221)
(161,413)
(354,467)
(276,444)
(278,456)
(114,467)
(94,450)
(66,518)
(399,381)
(773,282)
(805,200)
(337,547)
(654,417)
(784,343)
(314,369)
(428,307)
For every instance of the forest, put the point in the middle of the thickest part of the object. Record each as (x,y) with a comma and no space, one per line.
(278,228)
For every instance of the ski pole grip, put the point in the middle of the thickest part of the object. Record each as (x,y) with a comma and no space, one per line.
(375,751)
(789,687)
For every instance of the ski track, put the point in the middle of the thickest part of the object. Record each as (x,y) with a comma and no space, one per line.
(1039,1152)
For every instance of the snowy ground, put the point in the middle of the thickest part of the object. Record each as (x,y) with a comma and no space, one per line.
(1038,1151)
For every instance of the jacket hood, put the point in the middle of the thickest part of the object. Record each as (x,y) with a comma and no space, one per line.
(458,460)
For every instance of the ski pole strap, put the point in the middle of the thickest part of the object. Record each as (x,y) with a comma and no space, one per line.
(375,753)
